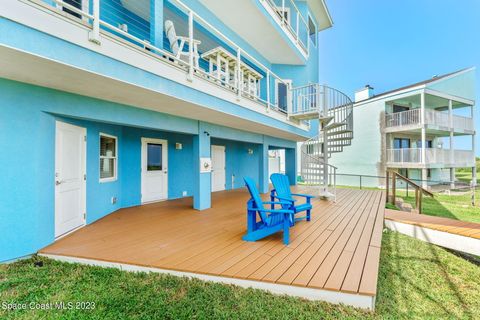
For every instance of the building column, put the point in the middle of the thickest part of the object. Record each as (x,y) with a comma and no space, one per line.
(424,151)
(202,178)
(452,156)
(291,165)
(264,180)
(474,168)
(156,23)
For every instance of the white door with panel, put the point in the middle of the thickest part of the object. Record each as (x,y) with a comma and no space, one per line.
(154,170)
(218,168)
(70,177)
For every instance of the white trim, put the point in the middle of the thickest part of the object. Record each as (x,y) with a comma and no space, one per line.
(286,82)
(143,151)
(355,300)
(310,17)
(439,238)
(83,155)
(115,166)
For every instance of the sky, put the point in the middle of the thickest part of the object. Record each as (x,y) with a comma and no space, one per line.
(393,43)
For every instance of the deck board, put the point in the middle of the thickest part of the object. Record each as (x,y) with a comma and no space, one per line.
(338,250)
(458,227)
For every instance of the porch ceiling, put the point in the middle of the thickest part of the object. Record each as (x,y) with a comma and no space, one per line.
(261,32)
(335,255)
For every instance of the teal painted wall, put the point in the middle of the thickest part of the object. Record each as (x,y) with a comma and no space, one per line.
(462,85)
(27,138)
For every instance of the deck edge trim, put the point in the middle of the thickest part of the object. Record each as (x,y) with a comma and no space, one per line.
(355,300)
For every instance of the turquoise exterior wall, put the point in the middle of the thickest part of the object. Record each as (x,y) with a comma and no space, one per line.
(27,138)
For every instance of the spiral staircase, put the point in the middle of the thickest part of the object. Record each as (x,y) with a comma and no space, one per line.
(334,112)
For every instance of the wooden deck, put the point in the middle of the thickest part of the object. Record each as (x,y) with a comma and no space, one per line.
(338,251)
(458,227)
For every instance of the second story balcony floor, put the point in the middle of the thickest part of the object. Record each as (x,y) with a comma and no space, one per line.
(284,31)
(172,40)
(434,111)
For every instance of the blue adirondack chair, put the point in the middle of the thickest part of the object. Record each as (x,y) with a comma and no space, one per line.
(282,192)
(271,220)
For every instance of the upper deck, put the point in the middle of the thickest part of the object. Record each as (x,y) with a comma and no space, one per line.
(222,64)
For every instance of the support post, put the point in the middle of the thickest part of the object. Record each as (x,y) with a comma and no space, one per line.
(94,35)
(387,185)
(268,90)
(394,188)
(424,151)
(474,169)
(451,153)
(264,179)
(325,158)
(239,74)
(291,165)
(156,23)
(202,180)
(190,46)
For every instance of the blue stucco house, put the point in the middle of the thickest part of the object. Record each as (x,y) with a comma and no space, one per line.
(107,104)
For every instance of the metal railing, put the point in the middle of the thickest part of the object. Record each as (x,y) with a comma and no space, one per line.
(457,158)
(319,98)
(432,117)
(128,22)
(289,17)
(405,118)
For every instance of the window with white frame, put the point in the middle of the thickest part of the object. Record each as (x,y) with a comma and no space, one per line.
(108,158)
(312,30)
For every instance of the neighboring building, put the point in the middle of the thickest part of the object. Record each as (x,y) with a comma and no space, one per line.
(105,105)
(413,130)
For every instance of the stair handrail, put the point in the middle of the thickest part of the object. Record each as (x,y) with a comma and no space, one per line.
(419,190)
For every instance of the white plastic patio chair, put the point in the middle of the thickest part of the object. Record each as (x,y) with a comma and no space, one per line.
(177,44)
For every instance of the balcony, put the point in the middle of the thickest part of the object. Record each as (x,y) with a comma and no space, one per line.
(435,120)
(434,158)
(128,31)
(275,28)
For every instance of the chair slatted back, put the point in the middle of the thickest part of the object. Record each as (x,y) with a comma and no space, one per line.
(257,200)
(281,184)
(172,36)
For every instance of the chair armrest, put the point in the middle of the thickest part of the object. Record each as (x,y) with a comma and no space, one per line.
(284,199)
(303,195)
(187,39)
(278,211)
(277,202)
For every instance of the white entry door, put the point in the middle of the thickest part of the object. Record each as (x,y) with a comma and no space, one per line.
(154,170)
(70,176)
(218,168)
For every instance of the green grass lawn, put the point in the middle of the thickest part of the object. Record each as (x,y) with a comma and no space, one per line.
(416,280)
(449,206)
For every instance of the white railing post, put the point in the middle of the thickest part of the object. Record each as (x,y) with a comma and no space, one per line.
(190,45)
(94,35)
(239,74)
(283,11)
(268,90)
(289,98)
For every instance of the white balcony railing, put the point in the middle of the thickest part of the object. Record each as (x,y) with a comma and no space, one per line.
(433,156)
(289,17)
(413,117)
(401,119)
(214,57)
